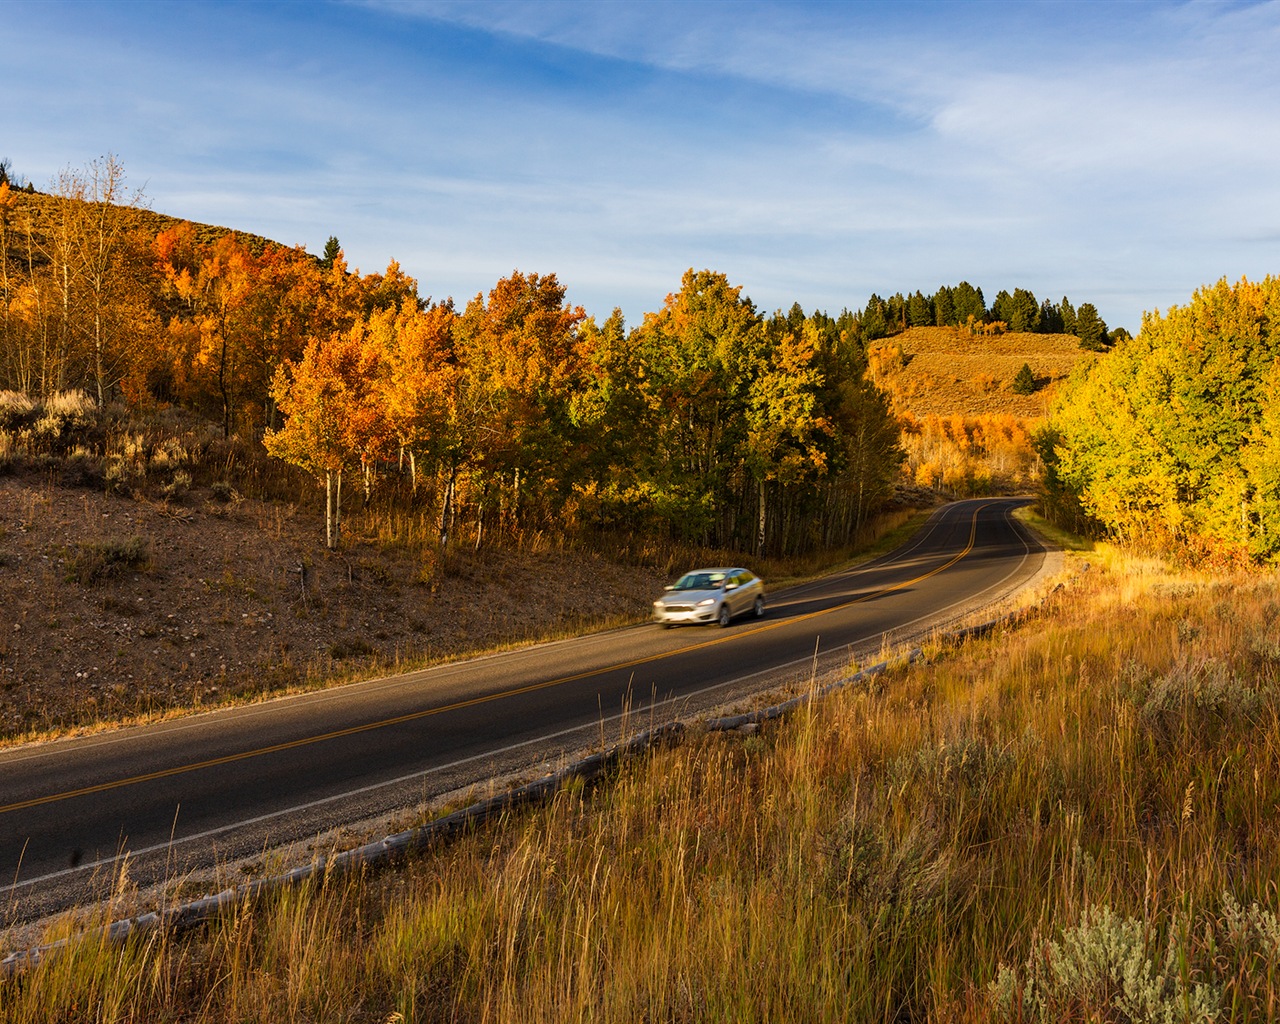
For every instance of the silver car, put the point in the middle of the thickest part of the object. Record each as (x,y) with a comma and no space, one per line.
(710,595)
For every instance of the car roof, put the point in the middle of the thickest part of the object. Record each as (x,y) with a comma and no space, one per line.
(718,568)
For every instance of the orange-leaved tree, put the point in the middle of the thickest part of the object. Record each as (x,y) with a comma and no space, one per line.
(333,419)
(419,377)
(524,363)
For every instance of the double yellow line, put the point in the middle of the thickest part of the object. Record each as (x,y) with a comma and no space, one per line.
(354,730)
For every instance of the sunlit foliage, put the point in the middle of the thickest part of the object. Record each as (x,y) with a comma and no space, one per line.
(1172,438)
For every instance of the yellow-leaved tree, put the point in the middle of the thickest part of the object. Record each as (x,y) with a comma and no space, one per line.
(334,418)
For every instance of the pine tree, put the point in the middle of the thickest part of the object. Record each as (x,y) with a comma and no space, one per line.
(1067,314)
(1090,328)
(1025,382)
(331,250)
(919,311)
(944,308)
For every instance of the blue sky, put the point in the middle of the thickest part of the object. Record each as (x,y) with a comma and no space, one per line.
(1117,153)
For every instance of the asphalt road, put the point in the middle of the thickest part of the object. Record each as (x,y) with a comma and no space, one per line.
(180,796)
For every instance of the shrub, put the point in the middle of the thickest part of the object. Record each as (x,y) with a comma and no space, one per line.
(17,411)
(95,561)
(1195,702)
(176,487)
(1103,970)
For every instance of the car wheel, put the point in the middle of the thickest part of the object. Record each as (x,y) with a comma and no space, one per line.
(758,608)
(725,614)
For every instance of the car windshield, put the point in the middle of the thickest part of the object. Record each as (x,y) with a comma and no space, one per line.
(699,581)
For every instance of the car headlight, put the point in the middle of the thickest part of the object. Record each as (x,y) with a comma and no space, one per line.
(707,601)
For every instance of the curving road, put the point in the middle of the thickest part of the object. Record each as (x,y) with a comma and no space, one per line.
(180,796)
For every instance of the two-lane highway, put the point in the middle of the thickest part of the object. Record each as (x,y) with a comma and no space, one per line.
(177,796)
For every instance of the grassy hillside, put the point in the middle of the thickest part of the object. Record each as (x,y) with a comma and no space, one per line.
(1073,820)
(945,371)
(36,211)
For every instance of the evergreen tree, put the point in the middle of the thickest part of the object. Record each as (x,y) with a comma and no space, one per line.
(1091,328)
(944,308)
(1024,311)
(1067,314)
(896,313)
(1050,318)
(1025,382)
(968,302)
(331,251)
(919,311)
(874,319)
(1002,307)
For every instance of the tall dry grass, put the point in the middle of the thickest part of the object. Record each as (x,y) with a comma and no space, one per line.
(1073,820)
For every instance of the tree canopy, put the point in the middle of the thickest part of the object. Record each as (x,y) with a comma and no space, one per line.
(1172,436)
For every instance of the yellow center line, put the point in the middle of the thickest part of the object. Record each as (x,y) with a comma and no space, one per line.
(413,716)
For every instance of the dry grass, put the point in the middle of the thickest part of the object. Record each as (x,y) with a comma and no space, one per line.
(965,431)
(941,371)
(1075,820)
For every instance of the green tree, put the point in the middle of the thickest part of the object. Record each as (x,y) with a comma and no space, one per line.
(1025,381)
(968,302)
(697,355)
(1091,328)
(944,308)
(1067,317)
(919,310)
(784,423)
(1050,318)
(332,250)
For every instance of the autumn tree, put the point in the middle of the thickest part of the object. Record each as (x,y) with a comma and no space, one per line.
(785,426)
(104,252)
(8,203)
(419,381)
(1260,463)
(333,417)
(696,355)
(214,284)
(1161,438)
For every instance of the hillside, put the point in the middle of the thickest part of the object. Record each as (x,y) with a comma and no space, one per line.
(944,371)
(129,605)
(35,212)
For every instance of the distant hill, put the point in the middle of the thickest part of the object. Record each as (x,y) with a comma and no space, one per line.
(39,210)
(943,371)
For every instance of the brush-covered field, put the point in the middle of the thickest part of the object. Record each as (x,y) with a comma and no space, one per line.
(947,371)
(1075,819)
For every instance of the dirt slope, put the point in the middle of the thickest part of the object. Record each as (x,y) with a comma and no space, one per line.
(216,604)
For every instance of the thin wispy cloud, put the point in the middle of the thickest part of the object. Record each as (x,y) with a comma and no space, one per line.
(814,152)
